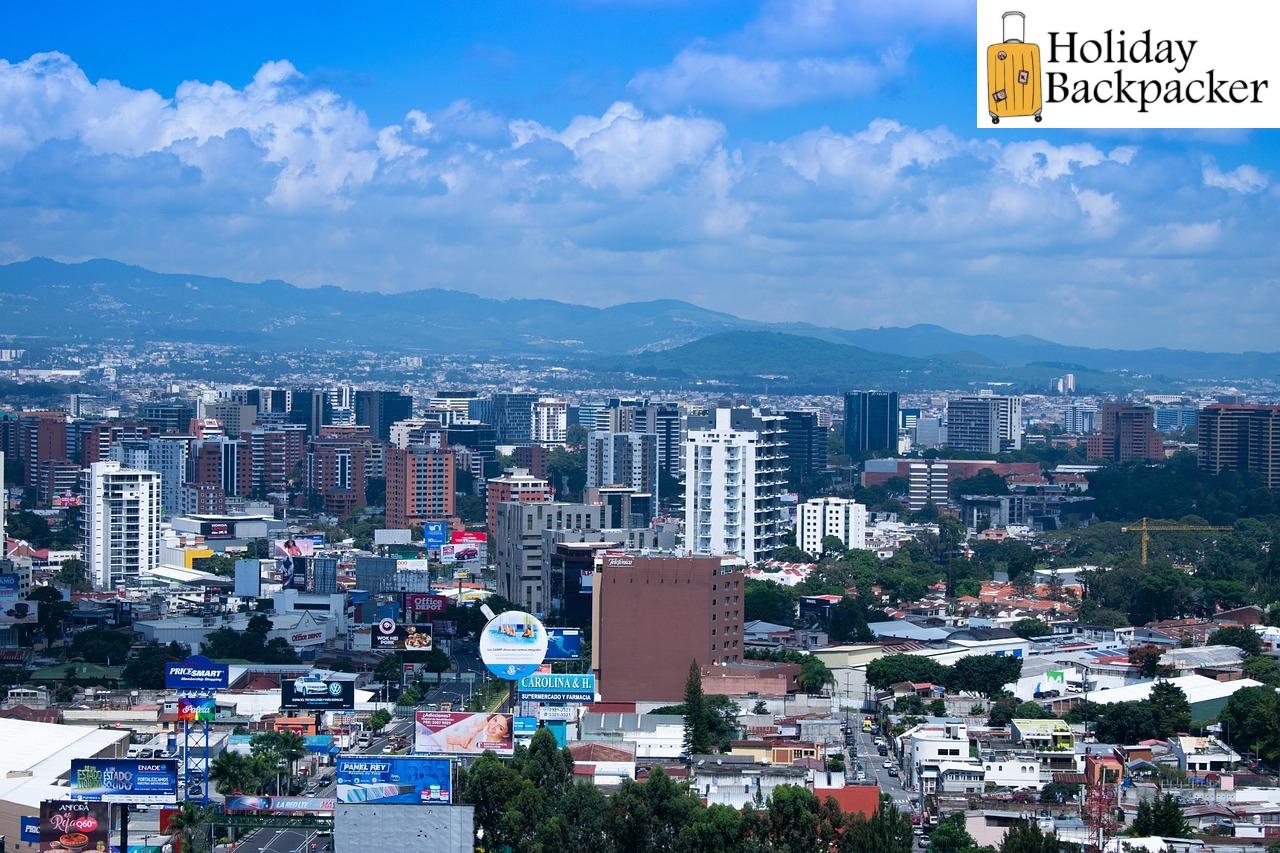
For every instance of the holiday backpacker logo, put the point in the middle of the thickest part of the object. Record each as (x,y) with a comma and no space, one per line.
(1127,64)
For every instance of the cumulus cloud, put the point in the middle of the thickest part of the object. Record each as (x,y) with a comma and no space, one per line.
(1244,179)
(882,223)
(760,83)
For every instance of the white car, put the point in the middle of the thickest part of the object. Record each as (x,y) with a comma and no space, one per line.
(311,686)
(887,765)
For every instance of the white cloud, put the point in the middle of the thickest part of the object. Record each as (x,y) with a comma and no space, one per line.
(1033,162)
(808,25)
(698,76)
(625,149)
(1244,179)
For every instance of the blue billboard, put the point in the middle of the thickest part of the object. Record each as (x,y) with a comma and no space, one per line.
(525,726)
(394,779)
(435,533)
(196,673)
(558,687)
(30,830)
(124,780)
(564,643)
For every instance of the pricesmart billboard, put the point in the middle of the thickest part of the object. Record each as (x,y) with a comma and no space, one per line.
(558,687)
(196,673)
(399,779)
(124,780)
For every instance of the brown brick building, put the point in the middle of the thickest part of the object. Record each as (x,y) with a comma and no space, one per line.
(1126,432)
(652,616)
(420,486)
(1241,437)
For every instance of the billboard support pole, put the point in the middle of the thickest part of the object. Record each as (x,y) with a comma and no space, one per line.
(124,828)
(186,756)
(205,787)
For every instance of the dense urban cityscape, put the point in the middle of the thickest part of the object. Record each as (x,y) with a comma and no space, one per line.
(639,427)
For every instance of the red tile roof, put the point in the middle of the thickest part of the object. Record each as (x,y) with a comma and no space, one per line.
(855,799)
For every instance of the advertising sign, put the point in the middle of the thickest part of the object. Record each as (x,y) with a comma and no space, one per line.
(196,673)
(413,566)
(435,534)
(456,733)
(564,643)
(74,826)
(586,581)
(196,710)
(556,712)
(13,610)
(248,579)
(465,546)
(422,606)
(30,829)
(394,779)
(513,644)
(392,636)
(218,530)
(559,687)
(526,726)
(124,780)
(391,536)
(280,805)
(312,693)
(307,637)
(291,562)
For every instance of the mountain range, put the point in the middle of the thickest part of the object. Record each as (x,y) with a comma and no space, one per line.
(104,299)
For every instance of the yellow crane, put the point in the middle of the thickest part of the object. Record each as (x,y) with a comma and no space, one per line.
(1146,528)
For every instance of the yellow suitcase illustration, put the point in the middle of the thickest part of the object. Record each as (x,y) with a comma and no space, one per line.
(1013,73)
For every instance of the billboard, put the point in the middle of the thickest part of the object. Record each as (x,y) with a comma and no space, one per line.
(466,546)
(413,566)
(526,726)
(564,643)
(558,687)
(513,644)
(312,693)
(291,561)
(392,636)
(586,581)
(196,710)
(124,780)
(422,606)
(394,779)
(13,610)
(196,673)
(391,536)
(457,733)
(30,829)
(74,826)
(435,534)
(248,579)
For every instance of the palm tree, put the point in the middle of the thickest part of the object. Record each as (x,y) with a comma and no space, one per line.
(233,771)
(191,825)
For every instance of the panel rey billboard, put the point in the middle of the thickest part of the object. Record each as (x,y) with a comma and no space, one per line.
(394,779)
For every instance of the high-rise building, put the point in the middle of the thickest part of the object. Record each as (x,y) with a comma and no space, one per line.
(42,435)
(806,448)
(927,483)
(378,410)
(1241,437)
(550,421)
(58,483)
(653,616)
(984,423)
(220,463)
(96,441)
(929,432)
(517,546)
(236,418)
(1078,419)
(336,468)
(532,457)
(1174,417)
(515,484)
(122,511)
(479,438)
(624,459)
(822,517)
(1125,432)
(310,408)
(511,415)
(870,423)
(167,418)
(420,486)
(170,456)
(734,478)
(275,457)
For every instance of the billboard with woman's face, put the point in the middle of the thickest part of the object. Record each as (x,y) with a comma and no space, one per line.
(444,733)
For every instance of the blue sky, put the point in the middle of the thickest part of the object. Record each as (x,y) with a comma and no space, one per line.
(811,161)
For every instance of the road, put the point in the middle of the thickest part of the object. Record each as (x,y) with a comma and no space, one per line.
(873,764)
(466,656)
(277,841)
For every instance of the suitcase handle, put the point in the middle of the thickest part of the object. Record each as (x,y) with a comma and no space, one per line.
(1020,22)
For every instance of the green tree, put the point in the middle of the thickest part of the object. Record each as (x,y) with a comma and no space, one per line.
(1058,792)
(848,622)
(892,669)
(1029,628)
(833,546)
(1125,723)
(53,612)
(101,646)
(1148,660)
(648,817)
(1170,710)
(1245,639)
(985,675)
(490,785)
(74,574)
(716,829)
(814,675)
(1027,837)
(235,772)
(950,836)
(697,735)
(379,720)
(1161,816)
(146,669)
(769,602)
(886,831)
(792,554)
(1251,722)
(190,826)
(1263,668)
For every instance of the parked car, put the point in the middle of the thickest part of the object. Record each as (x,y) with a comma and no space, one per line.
(892,771)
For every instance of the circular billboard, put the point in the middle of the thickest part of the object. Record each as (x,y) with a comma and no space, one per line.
(513,645)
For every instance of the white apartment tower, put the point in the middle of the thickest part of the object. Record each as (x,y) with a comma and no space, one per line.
(550,421)
(735,473)
(122,512)
(984,423)
(822,517)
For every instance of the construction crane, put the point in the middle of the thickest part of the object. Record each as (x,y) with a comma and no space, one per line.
(1146,528)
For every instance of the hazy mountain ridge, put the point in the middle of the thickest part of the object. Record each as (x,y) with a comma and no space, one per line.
(45,298)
